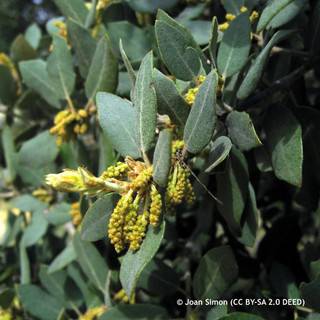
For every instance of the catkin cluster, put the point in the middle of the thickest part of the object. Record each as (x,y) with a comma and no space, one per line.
(77,216)
(69,123)
(130,217)
(191,94)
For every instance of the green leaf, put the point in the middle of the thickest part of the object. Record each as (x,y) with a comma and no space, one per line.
(117,120)
(9,150)
(202,118)
(135,311)
(180,58)
(188,38)
(91,262)
(61,287)
(213,41)
(255,72)
(59,214)
(25,272)
(273,8)
(217,311)
(91,15)
(233,6)
(219,151)
(21,50)
(36,229)
(103,72)
(75,9)
(310,292)
(83,45)
(151,6)
(158,278)
(6,297)
(162,158)
(170,100)
(145,102)
(216,272)
(34,74)
(285,144)
(60,68)
(8,87)
(129,68)
(107,155)
(235,46)
(286,14)
(95,223)
(27,202)
(233,190)
(135,261)
(39,151)
(33,35)
(65,257)
(240,316)
(200,30)
(241,131)
(46,308)
(135,42)
(191,12)
(250,220)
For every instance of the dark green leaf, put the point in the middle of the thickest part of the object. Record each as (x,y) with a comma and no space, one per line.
(91,15)
(135,261)
(213,41)
(36,229)
(66,256)
(255,72)
(135,42)
(33,35)
(217,271)
(95,223)
(83,45)
(202,118)
(60,68)
(59,214)
(107,155)
(46,308)
(233,190)
(68,157)
(285,144)
(103,72)
(286,14)
(129,68)
(158,278)
(170,100)
(27,203)
(6,297)
(217,312)
(9,150)
(8,87)
(263,160)
(117,120)
(191,12)
(145,102)
(75,9)
(162,158)
(235,46)
(34,74)
(242,132)
(39,151)
(273,8)
(240,316)
(250,220)
(21,50)
(151,6)
(180,58)
(310,292)
(219,151)
(314,269)
(91,262)
(233,6)
(135,312)
(25,272)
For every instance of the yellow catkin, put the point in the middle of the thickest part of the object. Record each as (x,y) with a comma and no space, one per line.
(138,232)
(42,195)
(155,208)
(77,216)
(119,171)
(191,94)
